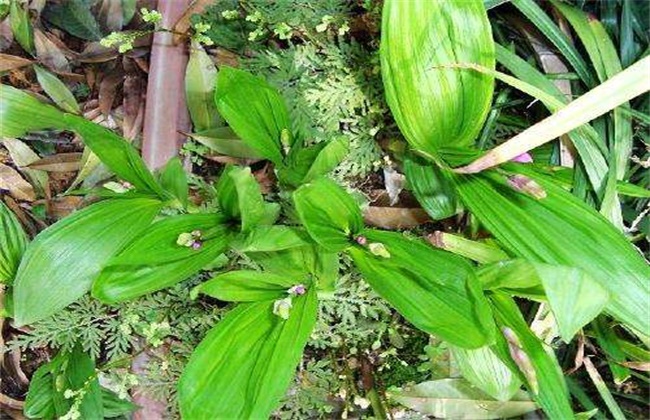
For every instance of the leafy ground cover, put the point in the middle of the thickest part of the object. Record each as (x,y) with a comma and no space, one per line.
(331,241)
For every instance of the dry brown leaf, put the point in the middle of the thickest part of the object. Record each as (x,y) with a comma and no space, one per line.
(182,25)
(10,62)
(61,162)
(10,180)
(61,207)
(108,89)
(96,53)
(6,35)
(133,105)
(112,15)
(642,366)
(49,53)
(395,217)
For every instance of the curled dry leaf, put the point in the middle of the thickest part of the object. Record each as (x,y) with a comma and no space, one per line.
(11,181)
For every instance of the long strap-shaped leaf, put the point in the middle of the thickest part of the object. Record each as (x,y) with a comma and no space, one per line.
(626,85)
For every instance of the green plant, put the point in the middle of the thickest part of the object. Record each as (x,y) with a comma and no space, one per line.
(250,355)
(524,207)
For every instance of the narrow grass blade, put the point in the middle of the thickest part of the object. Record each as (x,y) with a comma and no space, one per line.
(626,85)
(617,414)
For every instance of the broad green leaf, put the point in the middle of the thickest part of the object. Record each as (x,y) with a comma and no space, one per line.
(536,229)
(329,214)
(436,291)
(21,113)
(248,359)
(116,153)
(271,238)
(247,286)
(200,82)
(57,90)
(13,242)
(21,26)
(432,190)
(254,110)
(74,17)
(436,106)
(456,399)
(328,159)
(156,260)
(61,263)
(483,369)
(574,297)
(224,141)
(537,363)
(174,180)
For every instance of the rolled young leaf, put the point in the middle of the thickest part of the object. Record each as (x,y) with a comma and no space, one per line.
(13,242)
(247,360)
(329,214)
(173,179)
(436,291)
(156,260)
(254,110)
(200,83)
(240,197)
(434,106)
(61,263)
(536,229)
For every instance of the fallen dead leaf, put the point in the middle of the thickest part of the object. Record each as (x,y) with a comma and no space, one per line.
(61,207)
(183,24)
(10,62)
(10,180)
(108,89)
(49,53)
(61,162)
